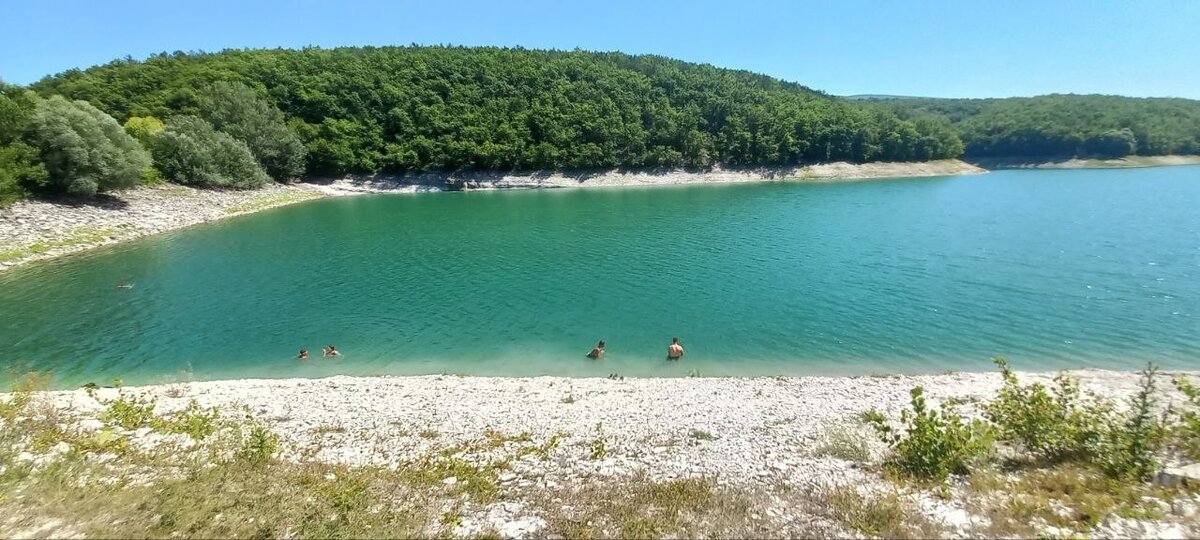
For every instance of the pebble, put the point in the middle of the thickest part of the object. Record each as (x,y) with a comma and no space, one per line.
(645,426)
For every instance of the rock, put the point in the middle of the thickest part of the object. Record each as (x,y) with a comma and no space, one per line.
(91,424)
(450,480)
(507,477)
(1187,475)
(142,432)
(521,527)
(60,448)
(25,457)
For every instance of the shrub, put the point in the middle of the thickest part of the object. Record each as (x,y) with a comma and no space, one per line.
(1054,424)
(933,444)
(84,150)
(1187,431)
(190,151)
(1132,439)
(129,412)
(194,422)
(259,446)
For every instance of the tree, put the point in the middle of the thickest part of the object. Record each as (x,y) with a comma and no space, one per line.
(20,168)
(189,151)
(143,128)
(84,150)
(401,109)
(236,109)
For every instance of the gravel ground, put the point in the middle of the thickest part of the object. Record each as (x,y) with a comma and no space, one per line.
(750,433)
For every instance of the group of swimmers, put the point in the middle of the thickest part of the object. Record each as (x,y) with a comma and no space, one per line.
(328,351)
(674,350)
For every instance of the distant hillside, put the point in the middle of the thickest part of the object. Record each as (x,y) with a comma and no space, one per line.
(1065,125)
(878,97)
(435,108)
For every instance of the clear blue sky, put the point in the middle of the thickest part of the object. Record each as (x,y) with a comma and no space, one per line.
(947,48)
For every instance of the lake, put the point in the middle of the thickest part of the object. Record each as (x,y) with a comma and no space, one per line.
(1052,268)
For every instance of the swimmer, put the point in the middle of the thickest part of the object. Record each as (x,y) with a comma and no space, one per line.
(674,350)
(330,351)
(303,354)
(598,351)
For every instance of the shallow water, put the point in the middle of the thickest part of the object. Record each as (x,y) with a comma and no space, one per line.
(1053,268)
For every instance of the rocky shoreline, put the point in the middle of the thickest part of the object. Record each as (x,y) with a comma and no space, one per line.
(1127,162)
(758,435)
(36,230)
(607,178)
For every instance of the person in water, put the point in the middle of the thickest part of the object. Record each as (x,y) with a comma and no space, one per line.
(597,351)
(674,350)
(330,351)
(303,354)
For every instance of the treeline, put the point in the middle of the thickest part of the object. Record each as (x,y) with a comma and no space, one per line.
(401,109)
(1064,125)
(239,118)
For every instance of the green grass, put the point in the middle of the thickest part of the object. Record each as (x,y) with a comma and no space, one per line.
(701,435)
(75,237)
(272,200)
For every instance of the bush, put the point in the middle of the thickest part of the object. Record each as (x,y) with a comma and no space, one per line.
(1132,439)
(259,446)
(1187,432)
(1061,424)
(1054,424)
(129,412)
(933,444)
(189,151)
(84,150)
(194,422)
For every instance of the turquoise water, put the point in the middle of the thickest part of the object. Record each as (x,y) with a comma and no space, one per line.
(1055,269)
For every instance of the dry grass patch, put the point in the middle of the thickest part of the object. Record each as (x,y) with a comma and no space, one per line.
(888,515)
(642,508)
(845,443)
(1068,497)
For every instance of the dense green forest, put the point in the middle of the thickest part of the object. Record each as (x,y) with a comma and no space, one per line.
(239,118)
(1065,125)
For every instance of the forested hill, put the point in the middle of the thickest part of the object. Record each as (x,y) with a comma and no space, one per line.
(1065,125)
(437,108)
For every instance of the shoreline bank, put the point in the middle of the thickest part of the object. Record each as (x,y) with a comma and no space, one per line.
(611,178)
(764,437)
(1128,162)
(36,230)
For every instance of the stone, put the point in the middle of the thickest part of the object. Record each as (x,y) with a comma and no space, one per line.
(450,480)
(1187,475)
(91,424)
